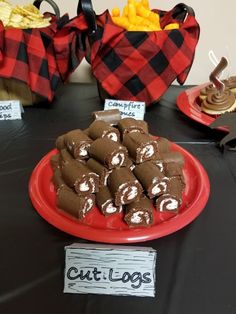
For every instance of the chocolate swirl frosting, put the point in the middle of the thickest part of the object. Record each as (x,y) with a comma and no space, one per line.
(230,82)
(219,101)
(208,89)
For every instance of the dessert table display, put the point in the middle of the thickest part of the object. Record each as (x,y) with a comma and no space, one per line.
(195,270)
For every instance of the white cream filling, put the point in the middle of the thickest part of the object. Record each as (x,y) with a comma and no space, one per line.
(129,193)
(146,152)
(83,150)
(137,217)
(110,209)
(85,186)
(112,136)
(160,165)
(105,178)
(172,204)
(88,205)
(159,187)
(118,159)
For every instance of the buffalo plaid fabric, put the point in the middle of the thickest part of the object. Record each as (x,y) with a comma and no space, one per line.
(69,45)
(29,56)
(141,65)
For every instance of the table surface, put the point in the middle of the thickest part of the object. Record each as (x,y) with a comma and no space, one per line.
(196,265)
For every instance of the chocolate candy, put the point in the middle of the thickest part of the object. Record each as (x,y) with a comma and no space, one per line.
(100,170)
(108,152)
(101,128)
(105,202)
(80,177)
(111,116)
(124,186)
(152,179)
(129,125)
(139,212)
(172,200)
(76,205)
(77,143)
(141,147)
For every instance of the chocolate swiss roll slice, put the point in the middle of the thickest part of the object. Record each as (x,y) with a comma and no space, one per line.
(129,125)
(173,157)
(124,186)
(111,154)
(105,202)
(163,145)
(80,177)
(66,157)
(58,181)
(111,116)
(101,128)
(174,170)
(100,170)
(76,205)
(55,162)
(172,199)
(152,179)
(77,143)
(139,212)
(158,162)
(141,147)
(168,157)
(60,143)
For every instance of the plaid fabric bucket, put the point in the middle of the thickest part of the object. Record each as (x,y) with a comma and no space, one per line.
(140,66)
(29,69)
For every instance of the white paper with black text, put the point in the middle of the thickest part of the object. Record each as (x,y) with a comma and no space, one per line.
(10,110)
(109,269)
(128,109)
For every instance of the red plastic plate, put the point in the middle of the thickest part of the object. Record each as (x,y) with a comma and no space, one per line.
(188,104)
(113,229)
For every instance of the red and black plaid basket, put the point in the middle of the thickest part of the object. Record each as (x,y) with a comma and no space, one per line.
(30,68)
(141,65)
(127,65)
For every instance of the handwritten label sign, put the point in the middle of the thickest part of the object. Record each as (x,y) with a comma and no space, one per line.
(10,110)
(108,269)
(128,109)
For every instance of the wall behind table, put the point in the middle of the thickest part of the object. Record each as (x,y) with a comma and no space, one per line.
(216,19)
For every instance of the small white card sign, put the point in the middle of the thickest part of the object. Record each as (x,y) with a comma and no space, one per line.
(109,269)
(10,110)
(128,109)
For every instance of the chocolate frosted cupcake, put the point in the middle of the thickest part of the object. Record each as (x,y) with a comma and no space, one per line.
(219,102)
(230,83)
(207,90)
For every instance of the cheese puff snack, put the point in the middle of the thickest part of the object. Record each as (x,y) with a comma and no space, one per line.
(137,16)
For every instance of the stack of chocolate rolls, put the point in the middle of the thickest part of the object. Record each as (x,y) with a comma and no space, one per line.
(117,165)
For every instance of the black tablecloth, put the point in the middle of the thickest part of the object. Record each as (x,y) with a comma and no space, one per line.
(196,265)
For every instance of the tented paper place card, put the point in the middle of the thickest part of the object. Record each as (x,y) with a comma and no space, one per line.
(10,110)
(110,269)
(128,109)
